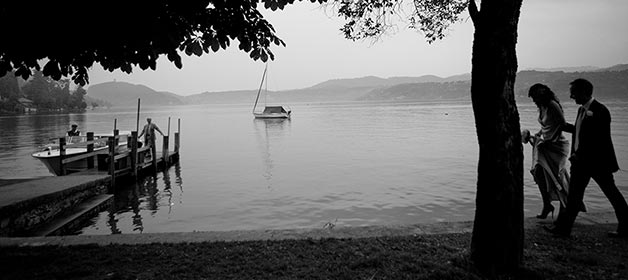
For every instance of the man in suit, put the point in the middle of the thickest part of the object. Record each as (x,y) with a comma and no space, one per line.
(149,132)
(592,156)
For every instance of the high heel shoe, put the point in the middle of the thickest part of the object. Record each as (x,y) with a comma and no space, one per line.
(545,212)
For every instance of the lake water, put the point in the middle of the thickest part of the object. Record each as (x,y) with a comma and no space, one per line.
(350,164)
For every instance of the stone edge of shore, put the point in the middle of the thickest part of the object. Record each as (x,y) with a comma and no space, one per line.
(280,234)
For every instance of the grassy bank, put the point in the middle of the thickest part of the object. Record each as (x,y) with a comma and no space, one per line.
(589,254)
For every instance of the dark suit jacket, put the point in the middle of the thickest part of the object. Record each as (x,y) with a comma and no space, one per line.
(595,149)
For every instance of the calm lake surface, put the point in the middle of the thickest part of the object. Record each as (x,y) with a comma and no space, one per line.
(350,164)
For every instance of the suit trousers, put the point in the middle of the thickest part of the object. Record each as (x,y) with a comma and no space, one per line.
(580,177)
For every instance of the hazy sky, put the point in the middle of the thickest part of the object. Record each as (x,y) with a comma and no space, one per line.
(552,33)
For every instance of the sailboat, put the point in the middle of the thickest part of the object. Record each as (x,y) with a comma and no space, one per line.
(269,112)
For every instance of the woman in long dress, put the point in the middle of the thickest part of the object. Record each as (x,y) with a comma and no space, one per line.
(550,150)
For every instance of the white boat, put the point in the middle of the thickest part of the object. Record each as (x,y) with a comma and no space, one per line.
(273,111)
(76,145)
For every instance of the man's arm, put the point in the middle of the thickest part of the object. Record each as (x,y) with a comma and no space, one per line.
(157,128)
(570,128)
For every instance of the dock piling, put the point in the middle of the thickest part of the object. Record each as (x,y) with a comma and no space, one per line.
(90,148)
(116,132)
(61,155)
(112,162)
(153,153)
(176,142)
(164,150)
(176,137)
(134,163)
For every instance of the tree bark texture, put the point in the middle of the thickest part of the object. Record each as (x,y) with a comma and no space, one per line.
(497,242)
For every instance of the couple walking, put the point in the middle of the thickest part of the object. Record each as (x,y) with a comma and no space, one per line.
(592,156)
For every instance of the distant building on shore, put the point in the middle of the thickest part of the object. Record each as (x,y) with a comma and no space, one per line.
(26,105)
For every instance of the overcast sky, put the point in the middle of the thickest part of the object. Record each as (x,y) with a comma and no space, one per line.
(552,33)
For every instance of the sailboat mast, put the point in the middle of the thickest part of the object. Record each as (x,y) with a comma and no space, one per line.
(260,87)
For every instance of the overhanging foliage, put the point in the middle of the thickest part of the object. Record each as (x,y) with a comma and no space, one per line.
(71,36)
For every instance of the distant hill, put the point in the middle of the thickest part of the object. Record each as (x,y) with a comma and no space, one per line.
(223,97)
(421,92)
(91,101)
(607,84)
(122,94)
(372,81)
(610,82)
(618,67)
(174,95)
(326,94)
(564,69)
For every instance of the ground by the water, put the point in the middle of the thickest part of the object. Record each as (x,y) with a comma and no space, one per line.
(588,254)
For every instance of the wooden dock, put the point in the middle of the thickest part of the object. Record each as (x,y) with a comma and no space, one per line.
(57,205)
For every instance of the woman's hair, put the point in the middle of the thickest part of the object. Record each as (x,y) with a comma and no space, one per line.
(543,93)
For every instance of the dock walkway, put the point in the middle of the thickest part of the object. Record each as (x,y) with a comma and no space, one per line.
(24,193)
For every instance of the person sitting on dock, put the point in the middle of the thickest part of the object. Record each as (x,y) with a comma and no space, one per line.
(74,131)
(149,132)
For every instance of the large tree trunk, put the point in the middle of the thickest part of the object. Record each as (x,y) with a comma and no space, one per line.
(497,242)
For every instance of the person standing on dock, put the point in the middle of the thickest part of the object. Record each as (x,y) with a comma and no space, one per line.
(149,132)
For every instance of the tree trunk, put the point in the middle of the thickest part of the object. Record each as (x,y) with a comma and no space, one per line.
(497,242)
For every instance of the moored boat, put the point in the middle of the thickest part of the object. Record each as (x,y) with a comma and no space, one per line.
(273,112)
(76,145)
(269,112)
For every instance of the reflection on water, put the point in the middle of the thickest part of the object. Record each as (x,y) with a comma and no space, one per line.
(138,201)
(352,164)
(269,133)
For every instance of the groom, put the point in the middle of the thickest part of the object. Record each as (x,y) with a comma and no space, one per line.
(592,156)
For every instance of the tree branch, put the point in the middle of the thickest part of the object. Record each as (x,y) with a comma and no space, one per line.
(473,12)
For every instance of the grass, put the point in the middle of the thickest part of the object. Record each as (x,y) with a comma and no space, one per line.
(588,254)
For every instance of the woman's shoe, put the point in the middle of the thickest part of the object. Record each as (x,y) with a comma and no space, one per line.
(545,212)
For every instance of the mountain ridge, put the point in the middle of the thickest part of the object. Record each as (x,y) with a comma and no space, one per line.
(609,81)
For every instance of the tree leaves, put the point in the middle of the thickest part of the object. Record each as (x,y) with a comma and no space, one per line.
(193,47)
(372,18)
(133,36)
(52,69)
(23,71)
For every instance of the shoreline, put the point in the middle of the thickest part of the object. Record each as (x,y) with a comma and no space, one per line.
(598,218)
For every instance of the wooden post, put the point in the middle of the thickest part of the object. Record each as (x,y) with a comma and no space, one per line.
(153,151)
(61,155)
(134,160)
(116,133)
(168,126)
(176,142)
(90,148)
(137,124)
(164,150)
(112,162)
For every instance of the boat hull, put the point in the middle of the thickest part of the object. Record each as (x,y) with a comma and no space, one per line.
(50,155)
(52,161)
(271,116)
